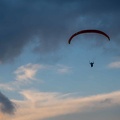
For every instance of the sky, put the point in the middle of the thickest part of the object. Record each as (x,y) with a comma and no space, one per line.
(42,77)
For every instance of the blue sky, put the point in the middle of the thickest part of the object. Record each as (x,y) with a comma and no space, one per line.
(44,77)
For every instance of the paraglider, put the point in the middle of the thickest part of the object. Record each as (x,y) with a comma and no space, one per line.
(89,31)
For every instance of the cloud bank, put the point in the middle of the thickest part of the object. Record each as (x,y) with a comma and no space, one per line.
(43,105)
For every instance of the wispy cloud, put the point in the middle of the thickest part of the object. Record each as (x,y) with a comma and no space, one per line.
(60,68)
(114,64)
(23,75)
(42,105)
(63,69)
(27,72)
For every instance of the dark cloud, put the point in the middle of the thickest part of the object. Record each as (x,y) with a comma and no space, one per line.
(52,22)
(6,106)
(106,101)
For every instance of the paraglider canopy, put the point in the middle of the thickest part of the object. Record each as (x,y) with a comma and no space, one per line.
(88,31)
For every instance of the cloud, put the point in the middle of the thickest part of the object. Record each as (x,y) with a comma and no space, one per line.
(25,75)
(6,86)
(6,105)
(43,105)
(58,68)
(23,21)
(114,64)
(27,72)
(62,69)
